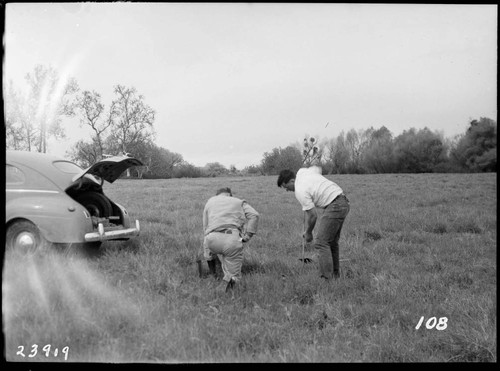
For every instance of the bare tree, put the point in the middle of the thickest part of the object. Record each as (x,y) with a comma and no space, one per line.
(19,129)
(132,119)
(356,142)
(92,109)
(338,154)
(49,98)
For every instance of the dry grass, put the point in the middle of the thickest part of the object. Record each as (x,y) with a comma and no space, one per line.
(412,245)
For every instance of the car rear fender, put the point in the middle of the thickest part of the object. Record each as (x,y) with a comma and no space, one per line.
(35,205)
(58,220)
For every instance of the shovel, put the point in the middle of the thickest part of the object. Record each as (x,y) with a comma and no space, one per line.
(304,259)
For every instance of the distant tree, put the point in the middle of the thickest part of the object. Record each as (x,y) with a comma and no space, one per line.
(19,129)
(281,158)
(214,169)
(36,115)
(158,162)
(476,150)
(84,153)
(125,128)
(253,170)
(378,155)
(132,120)
(355,143)
(163,162)
(233,170)
(92,112)
(419,151)
(338,154)
(144,152)
(187,170)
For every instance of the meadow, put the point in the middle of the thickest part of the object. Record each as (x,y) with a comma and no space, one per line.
(412,246)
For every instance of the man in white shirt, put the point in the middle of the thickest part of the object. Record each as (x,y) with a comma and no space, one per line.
(313,190)
(228,222)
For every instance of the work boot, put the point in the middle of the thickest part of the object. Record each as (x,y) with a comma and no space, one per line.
(226,287)
(212,267)
(201,268)
(234,287)
(231,285)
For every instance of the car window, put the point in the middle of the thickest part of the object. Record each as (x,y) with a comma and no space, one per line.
(67,167)
(14,175)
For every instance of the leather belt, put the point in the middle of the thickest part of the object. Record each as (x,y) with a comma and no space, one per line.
(335,199)
(226,231)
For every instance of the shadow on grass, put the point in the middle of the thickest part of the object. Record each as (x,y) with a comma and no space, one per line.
(87,251)
(252,266)
(468,226)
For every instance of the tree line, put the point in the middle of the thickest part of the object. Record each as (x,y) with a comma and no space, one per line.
(413,151)
(126,126)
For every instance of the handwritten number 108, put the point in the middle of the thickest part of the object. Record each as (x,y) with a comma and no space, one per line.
(432,322)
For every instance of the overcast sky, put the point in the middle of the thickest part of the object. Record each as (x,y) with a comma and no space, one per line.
(229,82)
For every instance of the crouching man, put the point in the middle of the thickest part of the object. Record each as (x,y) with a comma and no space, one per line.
(228,222)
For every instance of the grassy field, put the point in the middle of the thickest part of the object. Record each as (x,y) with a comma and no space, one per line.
(413,245)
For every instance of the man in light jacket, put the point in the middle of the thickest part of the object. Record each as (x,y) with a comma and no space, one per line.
(228,222)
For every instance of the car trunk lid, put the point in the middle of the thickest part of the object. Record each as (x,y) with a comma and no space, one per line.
(109,168)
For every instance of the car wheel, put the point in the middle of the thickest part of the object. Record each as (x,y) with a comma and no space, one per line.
(24,236)
(96,203)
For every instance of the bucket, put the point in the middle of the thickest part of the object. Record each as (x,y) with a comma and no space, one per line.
(203,270)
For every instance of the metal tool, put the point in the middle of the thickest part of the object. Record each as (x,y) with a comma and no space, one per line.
(304,260)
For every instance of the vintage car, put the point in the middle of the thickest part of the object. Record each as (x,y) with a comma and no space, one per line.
(50,199)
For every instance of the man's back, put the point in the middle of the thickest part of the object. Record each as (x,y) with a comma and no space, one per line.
(223,211)
(314,190)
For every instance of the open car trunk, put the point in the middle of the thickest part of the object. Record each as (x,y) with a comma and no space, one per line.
(110,220)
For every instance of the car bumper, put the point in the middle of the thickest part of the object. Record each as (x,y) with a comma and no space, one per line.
(116,234)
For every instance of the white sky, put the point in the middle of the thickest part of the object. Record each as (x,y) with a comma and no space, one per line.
(229,82)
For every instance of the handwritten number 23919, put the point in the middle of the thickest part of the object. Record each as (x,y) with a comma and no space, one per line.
(46,349)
